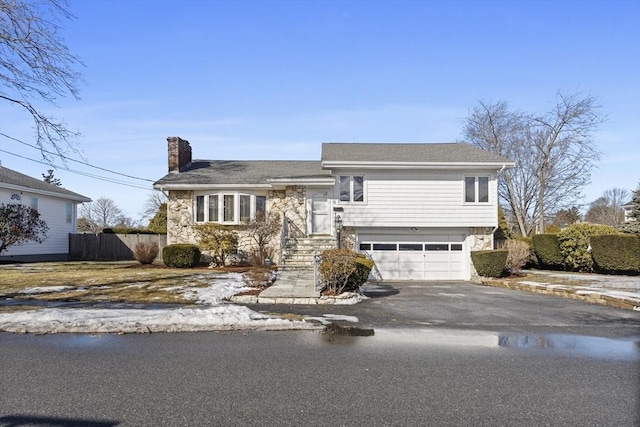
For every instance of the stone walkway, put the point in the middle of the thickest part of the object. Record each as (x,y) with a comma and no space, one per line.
(295,287)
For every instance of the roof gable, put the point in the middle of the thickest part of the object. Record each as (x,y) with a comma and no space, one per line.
(17,180)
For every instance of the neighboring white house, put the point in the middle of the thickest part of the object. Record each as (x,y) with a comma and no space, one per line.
(417,210)
(628,208)
(56,206)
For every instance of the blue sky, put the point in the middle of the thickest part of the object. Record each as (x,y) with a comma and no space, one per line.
(275,79)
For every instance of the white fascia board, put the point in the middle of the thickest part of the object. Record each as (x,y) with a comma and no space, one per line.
(162,187)
(78,198)
(416,165)
(309,182)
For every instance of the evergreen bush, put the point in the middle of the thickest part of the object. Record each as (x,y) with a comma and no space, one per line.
(616,253)
(361,274)
(547,249)
(575,244)
(490,263)
(181,255)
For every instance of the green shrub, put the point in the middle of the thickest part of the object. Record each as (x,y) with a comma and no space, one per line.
(361,274)
(552,229)
(575,243)
(336,268)
(490,263)
(616,253)
(547,250)
(158,224)
(218,240)
(181,255)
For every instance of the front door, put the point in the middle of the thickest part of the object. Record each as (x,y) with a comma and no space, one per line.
(319,222)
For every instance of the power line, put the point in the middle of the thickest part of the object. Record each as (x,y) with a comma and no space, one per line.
(98,177)
(69,158)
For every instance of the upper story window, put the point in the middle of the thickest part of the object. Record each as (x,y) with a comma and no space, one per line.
(229,207)
(476,189)
(34,203)
(351,188)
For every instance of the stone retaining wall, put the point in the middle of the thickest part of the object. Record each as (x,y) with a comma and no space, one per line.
(565,292)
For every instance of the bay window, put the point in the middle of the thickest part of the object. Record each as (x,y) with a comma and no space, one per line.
(229,207)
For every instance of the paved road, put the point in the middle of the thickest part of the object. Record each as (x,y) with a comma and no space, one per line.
(428,363)
(460,305)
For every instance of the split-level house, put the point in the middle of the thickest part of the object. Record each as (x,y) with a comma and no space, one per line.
(57,207)
(417,210)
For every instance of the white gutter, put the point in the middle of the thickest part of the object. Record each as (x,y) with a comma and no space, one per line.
(75,197)
(414,165)
(504,166)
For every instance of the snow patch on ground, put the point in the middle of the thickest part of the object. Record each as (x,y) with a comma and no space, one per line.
(46,289)
(214,315)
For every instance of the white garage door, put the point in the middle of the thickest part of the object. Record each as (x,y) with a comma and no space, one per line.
(425,257)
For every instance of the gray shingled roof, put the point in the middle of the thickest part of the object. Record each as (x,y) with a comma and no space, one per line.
(11,177)
(216,172)
(454,152)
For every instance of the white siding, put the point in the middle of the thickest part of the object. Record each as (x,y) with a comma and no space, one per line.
(418,199)
(53,211)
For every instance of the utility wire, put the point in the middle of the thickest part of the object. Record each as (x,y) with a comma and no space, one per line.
(69,158)
(99,177)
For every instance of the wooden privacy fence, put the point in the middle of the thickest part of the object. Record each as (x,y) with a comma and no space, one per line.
(109,247)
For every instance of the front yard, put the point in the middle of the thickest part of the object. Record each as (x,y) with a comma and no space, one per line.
(123,297)
(121,282)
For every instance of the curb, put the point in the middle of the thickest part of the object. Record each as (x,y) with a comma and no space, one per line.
(566,292)
(346,299)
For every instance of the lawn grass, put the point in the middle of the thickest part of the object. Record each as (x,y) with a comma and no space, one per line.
(101,281)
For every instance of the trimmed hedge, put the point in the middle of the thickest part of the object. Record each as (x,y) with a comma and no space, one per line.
(616,253)
(360,276)
(490,263)
(181,255)
(547,249)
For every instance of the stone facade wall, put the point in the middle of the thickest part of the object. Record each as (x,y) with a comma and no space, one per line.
(291,201)
(480,239)
(180,218)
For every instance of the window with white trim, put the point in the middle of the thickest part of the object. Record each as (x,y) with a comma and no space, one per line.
(476,189)
(69,216)
(34,203)
(229,207)
(351,188)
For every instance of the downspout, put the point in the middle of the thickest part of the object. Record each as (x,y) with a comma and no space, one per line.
(497,207)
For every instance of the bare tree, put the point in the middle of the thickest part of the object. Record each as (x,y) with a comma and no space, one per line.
(152,205)
(99,214)
(565,150)
(554,154)
(36,65)
(260,230)
(607,209)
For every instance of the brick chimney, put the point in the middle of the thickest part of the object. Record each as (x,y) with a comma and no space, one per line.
(179,153)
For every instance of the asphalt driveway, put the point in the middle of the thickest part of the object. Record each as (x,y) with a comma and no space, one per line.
(470,306)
